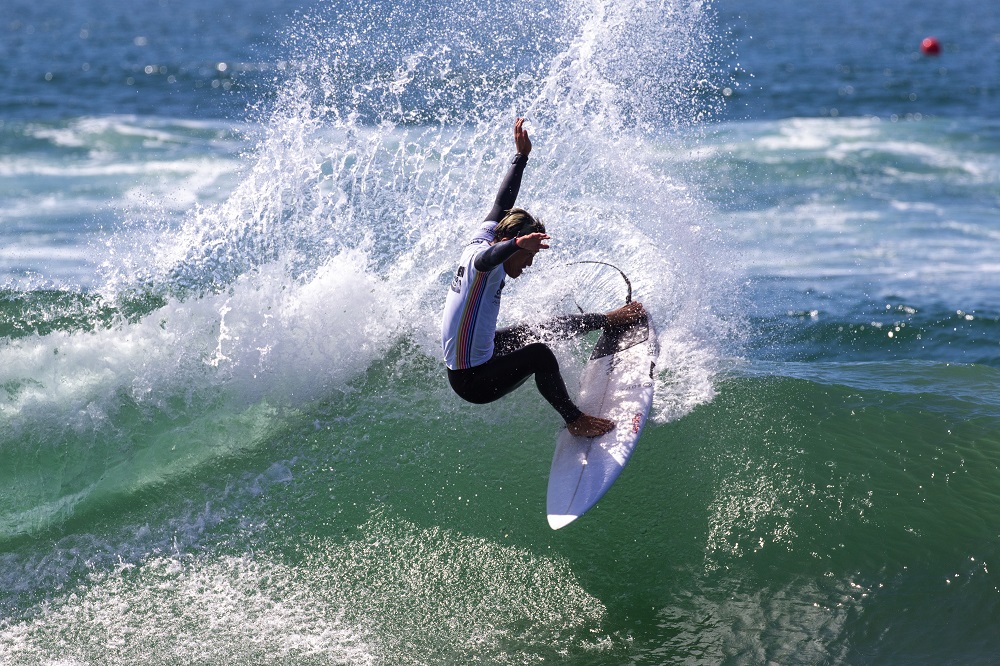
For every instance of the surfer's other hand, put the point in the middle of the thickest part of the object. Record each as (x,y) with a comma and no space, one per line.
(532,242)
(626,315)
(590,426)
(521,140)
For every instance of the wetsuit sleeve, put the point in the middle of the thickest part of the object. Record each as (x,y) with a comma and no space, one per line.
(490,258)
(495,255)
(509,188)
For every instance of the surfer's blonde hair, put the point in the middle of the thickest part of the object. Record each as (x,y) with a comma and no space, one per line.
(517,222)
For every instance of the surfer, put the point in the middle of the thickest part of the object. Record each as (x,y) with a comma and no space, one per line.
(484,363)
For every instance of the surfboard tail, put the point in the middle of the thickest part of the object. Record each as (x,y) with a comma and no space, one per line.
(557,521)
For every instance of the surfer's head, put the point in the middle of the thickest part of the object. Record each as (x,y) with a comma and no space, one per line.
(517,222)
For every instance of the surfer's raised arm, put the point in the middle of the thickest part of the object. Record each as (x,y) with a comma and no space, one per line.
(511,184)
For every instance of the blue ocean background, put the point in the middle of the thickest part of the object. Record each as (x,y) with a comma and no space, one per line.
(226,232)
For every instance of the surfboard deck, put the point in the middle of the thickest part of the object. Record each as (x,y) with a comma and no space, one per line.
(617,384)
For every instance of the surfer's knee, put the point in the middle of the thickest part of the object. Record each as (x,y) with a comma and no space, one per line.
(542,358)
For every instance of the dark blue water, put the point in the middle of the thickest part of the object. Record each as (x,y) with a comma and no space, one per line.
(226,232)
(796,59)
(175,59)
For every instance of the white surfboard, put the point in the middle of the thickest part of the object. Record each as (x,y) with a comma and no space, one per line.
(617,384)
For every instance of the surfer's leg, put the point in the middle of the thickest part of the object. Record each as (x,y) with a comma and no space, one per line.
(570,325)
(552,387)
(576,324)
(510,339)
(549,380)
(487,382)
(502,374)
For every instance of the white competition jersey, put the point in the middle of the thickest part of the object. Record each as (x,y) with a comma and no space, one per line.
(472,306)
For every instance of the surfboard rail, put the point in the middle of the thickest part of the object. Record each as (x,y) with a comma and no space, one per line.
(617,383)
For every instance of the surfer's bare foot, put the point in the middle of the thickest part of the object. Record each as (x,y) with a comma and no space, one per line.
(590,426)
(626,315)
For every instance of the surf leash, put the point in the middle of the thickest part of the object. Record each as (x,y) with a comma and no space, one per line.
(628,298)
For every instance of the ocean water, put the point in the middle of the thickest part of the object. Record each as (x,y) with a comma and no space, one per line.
(226,232)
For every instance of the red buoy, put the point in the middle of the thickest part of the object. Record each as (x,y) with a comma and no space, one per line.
(930,46)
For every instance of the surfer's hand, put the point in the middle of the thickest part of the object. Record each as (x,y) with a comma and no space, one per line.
(626,315)
(521,140)
(532,242)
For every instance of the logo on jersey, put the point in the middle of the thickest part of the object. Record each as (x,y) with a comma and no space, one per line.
(456,284)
